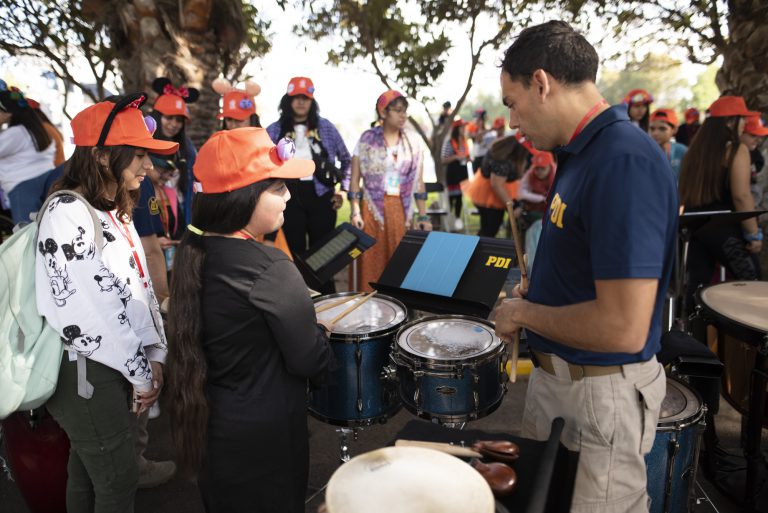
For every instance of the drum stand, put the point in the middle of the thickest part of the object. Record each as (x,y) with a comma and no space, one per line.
(344,433)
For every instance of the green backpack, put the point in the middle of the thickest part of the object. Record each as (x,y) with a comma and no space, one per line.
(30,349)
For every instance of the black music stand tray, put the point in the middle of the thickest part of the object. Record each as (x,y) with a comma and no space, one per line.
(334,252)
(688,224)
(477,290)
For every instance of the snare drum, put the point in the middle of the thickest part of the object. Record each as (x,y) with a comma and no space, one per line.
(38,452)
(671,464)
(358,392)
(450,368)
(739,312)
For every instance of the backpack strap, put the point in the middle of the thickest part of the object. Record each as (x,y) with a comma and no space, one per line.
(84,388)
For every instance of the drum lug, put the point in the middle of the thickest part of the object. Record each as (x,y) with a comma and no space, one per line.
(476,397)
(389,373)
(418,374)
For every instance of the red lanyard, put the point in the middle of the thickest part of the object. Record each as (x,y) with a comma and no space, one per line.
(126,233)
(245,234)
(163,200)
(585,119)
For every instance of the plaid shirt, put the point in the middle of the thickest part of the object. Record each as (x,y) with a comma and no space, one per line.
(333,144)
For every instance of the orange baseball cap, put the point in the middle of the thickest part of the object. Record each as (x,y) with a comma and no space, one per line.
(233,159)
(301,85)
(691,115)
(119,123)
(667,115)
(472,128)
(385,98)
(727,106)
(458,122)
(499,122)
(542,159)
(755,126)
(638,96)
(237,105)
(171,105)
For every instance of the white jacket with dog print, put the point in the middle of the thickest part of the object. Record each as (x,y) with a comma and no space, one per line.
(100,300)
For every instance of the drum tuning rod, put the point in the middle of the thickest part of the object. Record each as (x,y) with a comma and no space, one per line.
(334,304)
(454,450)
(521,262)
(352,308)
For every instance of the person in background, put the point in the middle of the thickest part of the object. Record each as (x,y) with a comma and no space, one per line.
(534,189)
(688,129)
(56,137)
(244,338)
(238,106)
(662,128)
(715,175)
(312,213)
(26,155)
(455,157)
(171,112)
(638,102)
(446,114)
(390,162)
(100,299)
(753,136)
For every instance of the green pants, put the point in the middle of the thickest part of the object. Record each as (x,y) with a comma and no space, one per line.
(102,469)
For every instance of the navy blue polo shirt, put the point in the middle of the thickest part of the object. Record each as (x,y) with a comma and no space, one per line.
(146,213)
(612,214)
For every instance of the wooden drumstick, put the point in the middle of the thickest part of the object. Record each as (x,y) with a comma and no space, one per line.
(353,308)
(334,304)
(523,285)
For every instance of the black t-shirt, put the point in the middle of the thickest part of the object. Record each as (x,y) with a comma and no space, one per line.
(260,338)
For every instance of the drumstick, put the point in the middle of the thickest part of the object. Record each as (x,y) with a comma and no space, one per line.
(352,308)
(454,450)
(523,286)
(334,304)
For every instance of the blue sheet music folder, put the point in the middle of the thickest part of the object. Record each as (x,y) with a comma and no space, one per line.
(440,263)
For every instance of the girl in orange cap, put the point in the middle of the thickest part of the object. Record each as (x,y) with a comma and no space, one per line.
(455,156)
(662,128)
(638,102)
(171,112)
(715,175)
(93,287)
(245,339)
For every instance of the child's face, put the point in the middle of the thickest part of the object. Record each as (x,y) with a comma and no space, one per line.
(750,141)
(661,131)
(637,111)
(541,172)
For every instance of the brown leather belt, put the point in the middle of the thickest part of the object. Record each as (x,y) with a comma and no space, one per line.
(545,362)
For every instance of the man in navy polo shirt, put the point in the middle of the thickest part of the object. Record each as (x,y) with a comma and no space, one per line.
(593,309)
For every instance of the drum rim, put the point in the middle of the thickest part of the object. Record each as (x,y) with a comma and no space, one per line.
(718,316)
(489,353)
(695,418)
(351,338)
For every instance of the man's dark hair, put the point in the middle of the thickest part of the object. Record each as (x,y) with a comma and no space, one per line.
(554,47)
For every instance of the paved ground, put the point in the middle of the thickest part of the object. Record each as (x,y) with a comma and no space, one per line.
(181,496)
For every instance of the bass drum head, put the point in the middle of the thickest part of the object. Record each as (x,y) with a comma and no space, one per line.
(744,302)
(448,338)
(407,480)
(379,314)
(681,406)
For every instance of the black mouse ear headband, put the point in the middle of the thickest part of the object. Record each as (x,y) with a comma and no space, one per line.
(129,101)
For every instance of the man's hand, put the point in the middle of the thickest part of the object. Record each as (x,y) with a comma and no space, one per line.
(337,200)
(507,317)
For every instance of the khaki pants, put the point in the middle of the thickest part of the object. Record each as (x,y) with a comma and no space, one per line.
(611,420)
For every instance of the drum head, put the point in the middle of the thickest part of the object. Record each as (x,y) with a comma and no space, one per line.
(745,302)
(448,338)
(407,480)
(681,404)
(377,314)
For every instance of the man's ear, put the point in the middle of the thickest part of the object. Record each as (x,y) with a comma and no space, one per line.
(540,81)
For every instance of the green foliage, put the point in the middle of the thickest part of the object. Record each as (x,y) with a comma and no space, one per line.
(705,90)
(660,75)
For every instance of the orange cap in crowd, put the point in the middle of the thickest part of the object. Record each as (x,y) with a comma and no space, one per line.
(385,99)
(542,159)
(667,115)
(755,126)
(237,105)
(499,122)
(119,124)
(233,159)
(172,100)
(638,96)
(691,115)
(458,122)
(471,128)
(727,106)
(301,85)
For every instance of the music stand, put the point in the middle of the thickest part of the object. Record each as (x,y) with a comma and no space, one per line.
(334,252)
(688,224)
(477,290)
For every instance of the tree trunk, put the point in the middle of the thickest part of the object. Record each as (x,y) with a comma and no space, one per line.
(745,57)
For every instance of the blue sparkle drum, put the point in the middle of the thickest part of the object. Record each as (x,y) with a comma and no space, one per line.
(672,462)
(359,391)
(450,368)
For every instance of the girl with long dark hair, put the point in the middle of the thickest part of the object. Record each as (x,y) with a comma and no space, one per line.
(94,290)
(715,175)
(455,156)
(312,213)
(26,154)
(638,102)
(171,112)
(241,353)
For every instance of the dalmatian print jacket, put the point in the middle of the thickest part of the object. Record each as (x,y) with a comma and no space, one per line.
(94,296)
